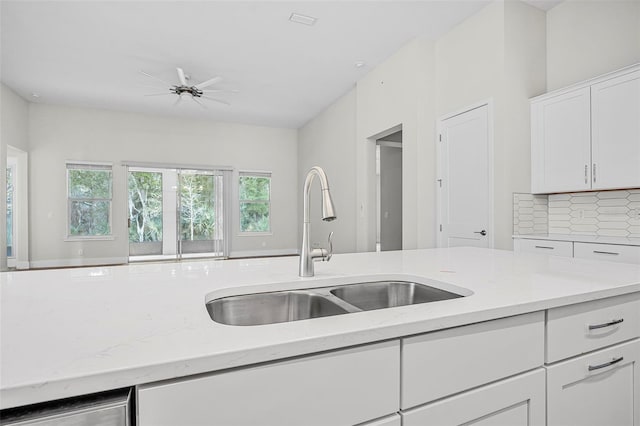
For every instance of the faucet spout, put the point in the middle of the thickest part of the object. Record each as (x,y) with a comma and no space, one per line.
(307,255)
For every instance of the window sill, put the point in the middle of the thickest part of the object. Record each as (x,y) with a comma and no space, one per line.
(254,234)
(88,238)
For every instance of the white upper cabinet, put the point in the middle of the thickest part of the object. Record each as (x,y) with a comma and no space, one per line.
(560,149)
(587,137)
(615,132)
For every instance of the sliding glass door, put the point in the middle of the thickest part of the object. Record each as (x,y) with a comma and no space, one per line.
(145,213)
(176,213)
(200,213)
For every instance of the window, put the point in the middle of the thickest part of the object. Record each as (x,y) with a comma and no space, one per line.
(89,200)
(255,202)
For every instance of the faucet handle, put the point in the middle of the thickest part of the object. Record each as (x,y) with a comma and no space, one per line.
(330,239)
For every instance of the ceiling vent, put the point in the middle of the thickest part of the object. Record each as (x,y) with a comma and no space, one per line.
(302,19)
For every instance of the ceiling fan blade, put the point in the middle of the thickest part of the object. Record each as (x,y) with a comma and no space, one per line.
(159,94)
(199,103)
(216,100)
(181,77)
(221,90)
(208,83)
(154,77)
(175,104)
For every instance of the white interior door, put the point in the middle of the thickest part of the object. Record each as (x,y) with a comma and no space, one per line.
(465,184)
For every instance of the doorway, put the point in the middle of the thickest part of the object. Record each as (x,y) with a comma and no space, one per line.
(17,249)
(389,192)
(465,181)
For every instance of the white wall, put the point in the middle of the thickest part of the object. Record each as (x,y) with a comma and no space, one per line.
(589,38)
(13,132)
(497,54)
(399,92)
(525,77)
(60,133)
(328,141)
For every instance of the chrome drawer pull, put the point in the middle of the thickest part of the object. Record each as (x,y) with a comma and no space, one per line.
(545,247)
(606,364)
(606,252)
(609,324)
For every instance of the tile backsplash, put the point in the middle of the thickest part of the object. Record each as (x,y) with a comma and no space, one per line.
(605,213)
(530,214)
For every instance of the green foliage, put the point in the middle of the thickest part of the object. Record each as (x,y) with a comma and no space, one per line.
(90,202)
(254,188)
(255,194)
(89,184)
(145,206)
(254,217)
(89,218)
(197,207)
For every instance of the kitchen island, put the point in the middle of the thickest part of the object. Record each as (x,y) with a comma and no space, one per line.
(79,331)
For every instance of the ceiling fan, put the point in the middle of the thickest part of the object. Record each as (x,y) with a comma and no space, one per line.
(197,91)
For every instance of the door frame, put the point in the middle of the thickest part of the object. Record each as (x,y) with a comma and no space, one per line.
(441,168)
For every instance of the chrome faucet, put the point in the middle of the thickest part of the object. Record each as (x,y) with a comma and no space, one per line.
(307,254)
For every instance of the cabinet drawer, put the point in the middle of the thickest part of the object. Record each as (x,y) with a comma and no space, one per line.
(610,252)
(343,387)
(445,362)
(516,401)
(597,389)
(556,248)
(583,327)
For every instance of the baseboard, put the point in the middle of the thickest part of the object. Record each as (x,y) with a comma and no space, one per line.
(22,264)
(82,261)
(264,253)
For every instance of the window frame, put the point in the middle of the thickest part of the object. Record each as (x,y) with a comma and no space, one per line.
(88,165)
(258,174)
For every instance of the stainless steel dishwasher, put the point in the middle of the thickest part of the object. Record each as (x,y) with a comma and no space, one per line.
(106,409)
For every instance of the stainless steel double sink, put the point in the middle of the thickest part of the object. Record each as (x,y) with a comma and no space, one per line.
(294,305)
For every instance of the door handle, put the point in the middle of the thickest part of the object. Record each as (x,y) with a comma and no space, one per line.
(483,232)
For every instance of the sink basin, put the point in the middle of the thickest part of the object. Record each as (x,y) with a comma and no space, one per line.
(270,308)
(388,294)
(307,303)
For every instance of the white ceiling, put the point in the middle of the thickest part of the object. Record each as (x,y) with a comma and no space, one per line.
(89,53)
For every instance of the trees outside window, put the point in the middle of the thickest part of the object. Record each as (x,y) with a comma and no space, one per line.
(255,202)
(197,206)
(145,206)
(89,190)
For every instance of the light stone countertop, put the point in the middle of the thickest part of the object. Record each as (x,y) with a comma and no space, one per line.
(76,331)
(582,238)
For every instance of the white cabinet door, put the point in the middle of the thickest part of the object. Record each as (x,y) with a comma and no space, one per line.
(615,138)
(344,387)
(601,388)
(518,401)
(561,143)
(442,363)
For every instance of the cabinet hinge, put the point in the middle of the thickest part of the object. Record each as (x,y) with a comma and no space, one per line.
(440,136)
(440,228)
